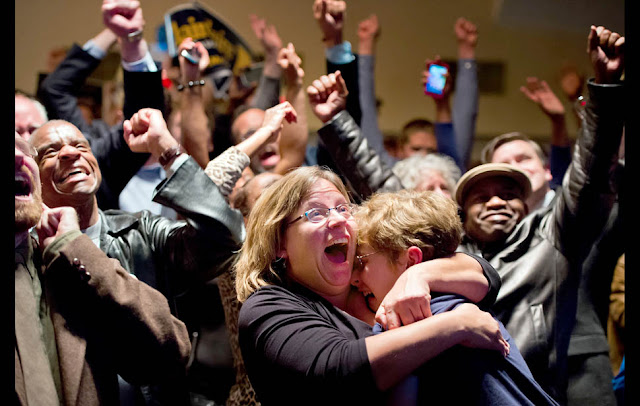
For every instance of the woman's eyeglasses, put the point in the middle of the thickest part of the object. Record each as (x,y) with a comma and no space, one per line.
(318,215)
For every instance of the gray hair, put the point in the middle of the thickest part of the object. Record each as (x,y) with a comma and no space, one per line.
(411,170)
(39,106)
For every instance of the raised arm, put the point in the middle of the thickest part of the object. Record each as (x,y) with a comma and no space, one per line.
(539,92)
(227,168)
(330,16)
(443,126)
(196,130)
(587,196)
(268,91)
(368,33)
(142,89)
(272,127)
(465,100)
(365,171)
(408,300)
(58,92)
(201,247)
(295,134)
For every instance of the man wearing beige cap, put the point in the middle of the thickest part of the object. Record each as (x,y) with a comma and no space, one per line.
(539,256)
(493,198)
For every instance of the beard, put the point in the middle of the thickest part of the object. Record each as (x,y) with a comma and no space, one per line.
(28,213)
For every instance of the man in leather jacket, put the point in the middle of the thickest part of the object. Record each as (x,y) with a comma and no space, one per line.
(539,257)
(168,255)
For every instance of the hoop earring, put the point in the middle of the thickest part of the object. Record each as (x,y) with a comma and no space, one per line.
(280,264)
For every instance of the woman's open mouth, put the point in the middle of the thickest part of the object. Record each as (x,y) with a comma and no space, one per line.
(337,251)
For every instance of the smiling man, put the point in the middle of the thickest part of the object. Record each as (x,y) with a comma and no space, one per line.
(492,198)
(171,256)
(538,258)
(69,170)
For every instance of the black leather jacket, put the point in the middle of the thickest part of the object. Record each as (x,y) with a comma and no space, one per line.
(173,255)
(364,170)
(539,262)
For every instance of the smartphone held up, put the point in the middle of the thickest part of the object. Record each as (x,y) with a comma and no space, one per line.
(437,79)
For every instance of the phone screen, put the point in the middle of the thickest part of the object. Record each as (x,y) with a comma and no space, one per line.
(437,79)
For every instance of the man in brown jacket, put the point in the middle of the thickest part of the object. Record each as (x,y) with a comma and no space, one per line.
(80,318)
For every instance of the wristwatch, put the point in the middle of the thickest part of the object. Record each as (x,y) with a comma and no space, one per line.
(170,153)
(135,36)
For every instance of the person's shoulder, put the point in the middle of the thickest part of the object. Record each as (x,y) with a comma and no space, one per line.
(272,294)
(278,298)
(270,301)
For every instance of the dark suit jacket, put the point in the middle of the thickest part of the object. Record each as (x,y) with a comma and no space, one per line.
(118,164)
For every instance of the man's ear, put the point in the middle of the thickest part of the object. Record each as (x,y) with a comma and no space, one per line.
(414,255)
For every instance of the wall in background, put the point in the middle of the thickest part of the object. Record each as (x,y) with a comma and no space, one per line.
(528,38)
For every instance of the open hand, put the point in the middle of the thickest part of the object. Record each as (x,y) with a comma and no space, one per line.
(483,330)
(539,92)
(267,34)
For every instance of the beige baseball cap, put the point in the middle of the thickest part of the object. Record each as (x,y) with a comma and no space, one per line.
(484,171)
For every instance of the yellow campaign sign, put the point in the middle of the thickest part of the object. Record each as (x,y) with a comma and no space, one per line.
(229,54)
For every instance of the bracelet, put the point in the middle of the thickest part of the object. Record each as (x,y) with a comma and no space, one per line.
(134,36)
(169,154)
(191,84)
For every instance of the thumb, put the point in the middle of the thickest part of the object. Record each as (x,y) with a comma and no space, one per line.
(127,130)
(341,86)
(381,316)
(592,40)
